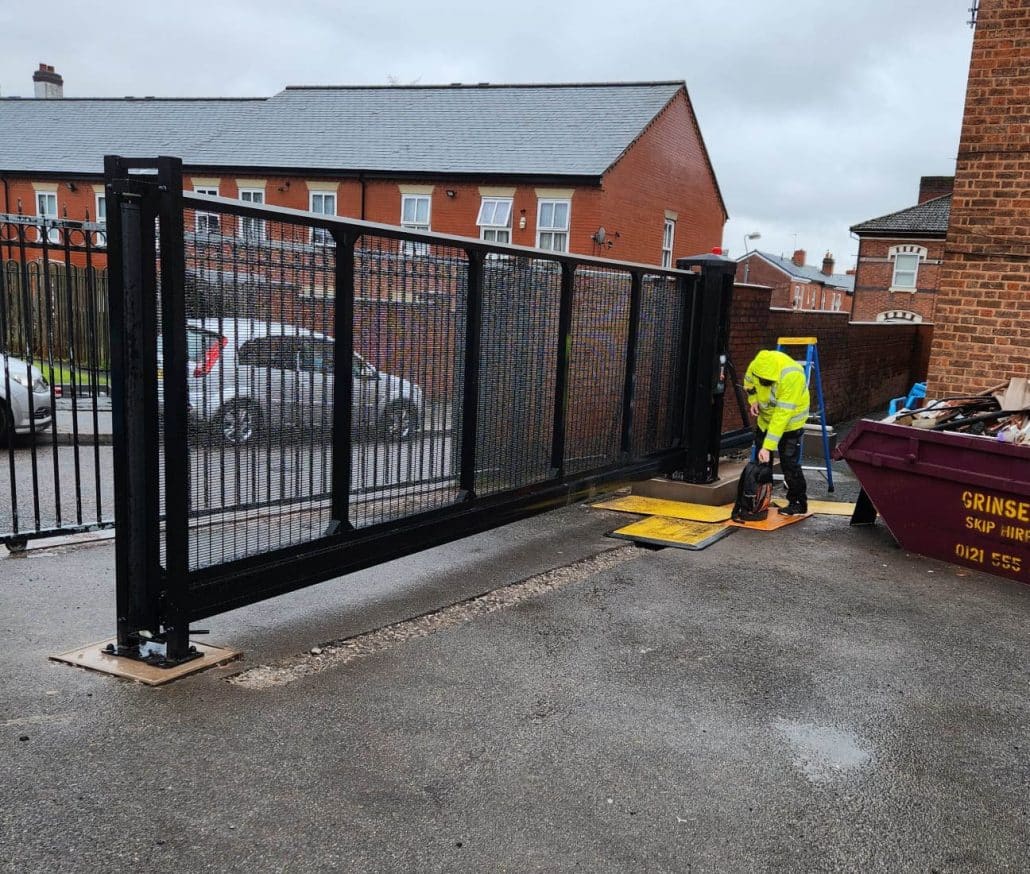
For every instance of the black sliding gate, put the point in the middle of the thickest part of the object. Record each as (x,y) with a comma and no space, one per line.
(480,384)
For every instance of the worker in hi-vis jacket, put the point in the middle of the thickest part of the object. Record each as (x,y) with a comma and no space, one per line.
(778,393)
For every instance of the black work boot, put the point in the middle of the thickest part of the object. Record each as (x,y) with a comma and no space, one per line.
(795,508)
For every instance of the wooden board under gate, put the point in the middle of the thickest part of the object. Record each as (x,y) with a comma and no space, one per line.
(677,533)
(96,658)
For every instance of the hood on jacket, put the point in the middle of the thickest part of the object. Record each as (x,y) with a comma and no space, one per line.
(767,364)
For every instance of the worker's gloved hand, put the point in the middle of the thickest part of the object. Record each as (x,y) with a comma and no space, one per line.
(764,455)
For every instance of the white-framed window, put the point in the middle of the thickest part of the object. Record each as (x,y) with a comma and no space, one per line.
(46,208)
(668,237)
(552,225)
(906,267)
(324,203)
(252,228)
(837,301)
(494,219)
(207,222)
(415,216)
(797,297)
(101,218)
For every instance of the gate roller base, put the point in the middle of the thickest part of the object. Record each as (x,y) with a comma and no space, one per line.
(95,658)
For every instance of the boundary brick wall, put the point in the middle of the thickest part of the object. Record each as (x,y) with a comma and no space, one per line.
(983,306)
(863,366)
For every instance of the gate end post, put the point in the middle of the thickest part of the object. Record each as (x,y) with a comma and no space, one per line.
(708,352)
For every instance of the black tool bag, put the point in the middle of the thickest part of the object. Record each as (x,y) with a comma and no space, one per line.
(754,491)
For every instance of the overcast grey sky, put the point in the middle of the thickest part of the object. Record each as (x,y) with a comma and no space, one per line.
(818,114)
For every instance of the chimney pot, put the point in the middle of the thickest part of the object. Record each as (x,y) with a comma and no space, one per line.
(798,258)
(828,264)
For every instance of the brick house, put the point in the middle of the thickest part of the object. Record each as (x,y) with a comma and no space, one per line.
(617,170)
(982,330)
(899,258)
(794,284)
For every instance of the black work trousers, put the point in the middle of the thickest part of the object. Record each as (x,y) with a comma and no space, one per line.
(789,449)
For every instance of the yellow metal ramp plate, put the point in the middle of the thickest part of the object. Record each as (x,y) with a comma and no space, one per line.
(679,533)
(668,509)
(826,508)
(774,522)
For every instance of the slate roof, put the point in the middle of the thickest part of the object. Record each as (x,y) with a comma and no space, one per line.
(929,217)
(812,274)
(72,135)
(552,130)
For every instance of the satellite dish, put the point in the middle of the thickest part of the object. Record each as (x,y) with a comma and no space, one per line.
(600,235)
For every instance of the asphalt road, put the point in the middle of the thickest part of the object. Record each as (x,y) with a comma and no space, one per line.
(814,700)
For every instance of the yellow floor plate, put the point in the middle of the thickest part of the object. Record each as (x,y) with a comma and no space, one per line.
(680,533)
(668,509)
(94,658)
(826,508)
(774,522)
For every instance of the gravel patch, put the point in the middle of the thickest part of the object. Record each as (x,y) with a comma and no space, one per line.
(346,650)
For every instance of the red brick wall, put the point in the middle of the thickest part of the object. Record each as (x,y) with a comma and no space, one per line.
(875,272)
(863,366)
(983,309)
(665,169)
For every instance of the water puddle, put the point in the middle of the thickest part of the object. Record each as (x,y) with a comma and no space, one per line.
(823,752)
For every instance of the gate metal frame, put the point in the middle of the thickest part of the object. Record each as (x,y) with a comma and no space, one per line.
(156,604)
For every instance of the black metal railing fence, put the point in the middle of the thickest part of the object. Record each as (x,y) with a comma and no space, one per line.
(55,376)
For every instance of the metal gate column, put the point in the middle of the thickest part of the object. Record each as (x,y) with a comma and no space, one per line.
(708,347)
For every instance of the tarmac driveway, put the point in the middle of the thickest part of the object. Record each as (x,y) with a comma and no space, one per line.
(810,701)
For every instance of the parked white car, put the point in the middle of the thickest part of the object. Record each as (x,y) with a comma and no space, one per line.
(19,380)
(250,377)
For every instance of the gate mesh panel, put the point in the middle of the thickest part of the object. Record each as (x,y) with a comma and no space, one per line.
(518,351)
(260,379)
(409,339)
(659,345)
(597,367)
(260,315)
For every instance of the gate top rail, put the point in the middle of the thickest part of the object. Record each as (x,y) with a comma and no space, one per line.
(205,202)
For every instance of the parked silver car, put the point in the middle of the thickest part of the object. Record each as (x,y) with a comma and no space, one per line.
(249,377)
(17,382)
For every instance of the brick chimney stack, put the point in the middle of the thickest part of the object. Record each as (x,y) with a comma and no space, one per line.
(828,264)
(935,186)
(798,257)
(48,85)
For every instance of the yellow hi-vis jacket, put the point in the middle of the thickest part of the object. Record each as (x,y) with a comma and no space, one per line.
(782,406)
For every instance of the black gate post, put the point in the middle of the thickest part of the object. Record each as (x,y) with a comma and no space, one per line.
(133,324)
(708,349)
(174,612)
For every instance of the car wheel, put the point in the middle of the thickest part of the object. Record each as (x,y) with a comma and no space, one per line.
(399,421)
(239,422)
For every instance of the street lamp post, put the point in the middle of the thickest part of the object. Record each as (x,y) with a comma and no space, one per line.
(754,235)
